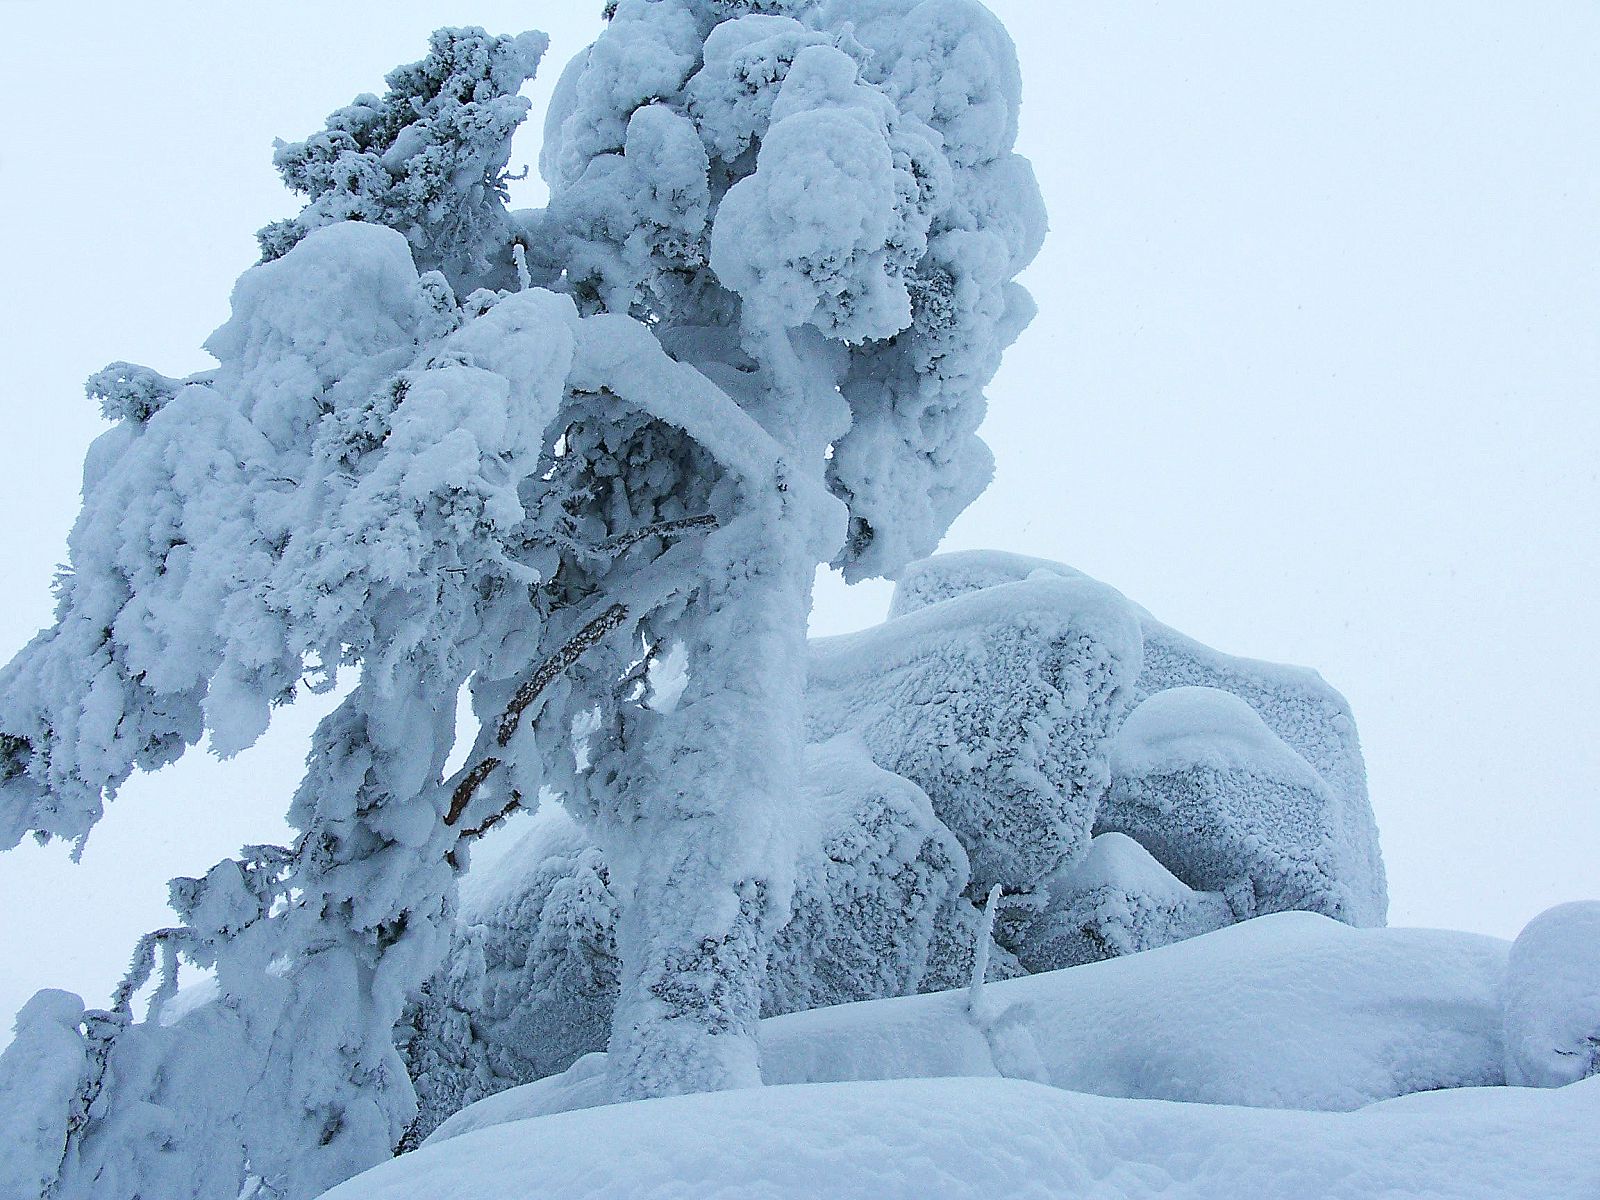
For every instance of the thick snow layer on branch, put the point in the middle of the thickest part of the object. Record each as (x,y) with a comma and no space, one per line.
(1306,723)
(978,1139)
(1000,705)
(1287,1011)
(1553,998)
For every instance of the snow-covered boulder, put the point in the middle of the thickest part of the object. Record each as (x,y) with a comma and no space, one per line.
(1292,1010)
(970,1139)
(1117,900)
(1553,998)
(1201,782)
(1299,708)
(1000,705)
(878,909)
(532,975)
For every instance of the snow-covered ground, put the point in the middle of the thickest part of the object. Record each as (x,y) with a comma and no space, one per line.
(986,1138)
(1289,1056)
(1292,1010)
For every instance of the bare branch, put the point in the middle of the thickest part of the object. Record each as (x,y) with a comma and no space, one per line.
(551,669)
(470,783)
(664,529)
(589,636)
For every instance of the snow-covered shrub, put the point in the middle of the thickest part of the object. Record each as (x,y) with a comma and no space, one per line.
(428,158)
(1299,708)
(532,975)
(1202,784)
(1552,1002)
(1000,705)
(1116,900)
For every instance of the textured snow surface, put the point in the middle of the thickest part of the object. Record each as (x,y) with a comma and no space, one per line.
(1116,900)
(1553,998)
(1287,1011)
(1336,866)
(985,1138)
(1000,705)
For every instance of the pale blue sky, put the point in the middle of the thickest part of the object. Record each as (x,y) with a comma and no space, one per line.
(1316,376)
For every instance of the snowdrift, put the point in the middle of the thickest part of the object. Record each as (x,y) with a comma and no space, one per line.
(982,1138)
(1292,1010)
(1290,1056)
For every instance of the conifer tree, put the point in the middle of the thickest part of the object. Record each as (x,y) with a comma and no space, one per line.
(531,453)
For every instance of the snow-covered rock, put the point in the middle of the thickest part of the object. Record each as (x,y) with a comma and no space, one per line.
(1000,705)
(1300,709)
(1117,900)
(1201,782)
(976,1139)
(1292,1010)
(1553,998)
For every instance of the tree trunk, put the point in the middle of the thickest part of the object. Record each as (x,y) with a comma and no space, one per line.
(704,865)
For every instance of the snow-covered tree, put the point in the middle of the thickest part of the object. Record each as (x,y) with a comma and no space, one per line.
(778,259)
(818,206)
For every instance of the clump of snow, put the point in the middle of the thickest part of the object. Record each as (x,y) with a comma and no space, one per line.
(1552,1009)
(972,1139)
(1292,1010)
(1116,900)
(1000,705)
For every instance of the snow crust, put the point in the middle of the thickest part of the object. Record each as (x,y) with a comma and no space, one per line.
(1553,998)
(982,1138)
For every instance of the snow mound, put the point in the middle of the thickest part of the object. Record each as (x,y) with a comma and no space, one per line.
(1553,998)
(1292,1010)
(1117,900)
(1000,705)
(1299,708)
(960,1138)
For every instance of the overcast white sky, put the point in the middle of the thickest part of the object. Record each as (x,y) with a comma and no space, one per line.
(1316,376)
